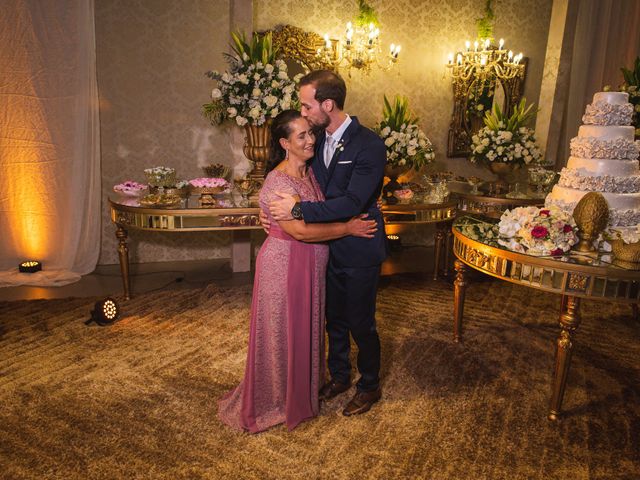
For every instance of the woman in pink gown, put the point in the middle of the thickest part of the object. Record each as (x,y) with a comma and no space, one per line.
(285,360)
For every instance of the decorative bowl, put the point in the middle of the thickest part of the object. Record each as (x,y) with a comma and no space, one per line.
(181,192)
(207,190)
(627,252)
(161,176)
(217,170)
(403,195)
(164,200)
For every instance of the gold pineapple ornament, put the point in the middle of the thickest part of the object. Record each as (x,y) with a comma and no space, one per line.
(592,216)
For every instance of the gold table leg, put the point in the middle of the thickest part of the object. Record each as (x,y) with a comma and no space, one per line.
(123,253)
(459,289)
(447,248)
(569,321)
(438,241)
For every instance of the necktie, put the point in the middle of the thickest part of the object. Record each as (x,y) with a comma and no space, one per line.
(329,148)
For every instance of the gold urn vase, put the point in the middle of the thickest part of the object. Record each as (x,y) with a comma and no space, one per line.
(502,170)
(256,147)
(393,173)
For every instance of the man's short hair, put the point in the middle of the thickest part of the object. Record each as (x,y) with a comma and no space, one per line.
(329,86)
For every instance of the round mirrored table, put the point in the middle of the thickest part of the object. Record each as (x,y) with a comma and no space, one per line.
(574,276)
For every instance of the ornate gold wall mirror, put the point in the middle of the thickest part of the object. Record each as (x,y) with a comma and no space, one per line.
(299,49)
(473,96)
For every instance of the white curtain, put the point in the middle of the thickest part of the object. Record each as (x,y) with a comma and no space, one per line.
(49,141)
(607,37)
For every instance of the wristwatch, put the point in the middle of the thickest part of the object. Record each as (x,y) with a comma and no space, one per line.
(296,211)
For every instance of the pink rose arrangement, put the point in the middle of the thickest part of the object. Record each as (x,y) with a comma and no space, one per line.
(403,194)
(208,182)
(537,231)
(129,188)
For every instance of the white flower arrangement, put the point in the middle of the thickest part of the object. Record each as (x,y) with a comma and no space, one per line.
(256,87)
(506,140)
(537,231)
(407,145)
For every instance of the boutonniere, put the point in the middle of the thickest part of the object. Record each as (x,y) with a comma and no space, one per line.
(340,146)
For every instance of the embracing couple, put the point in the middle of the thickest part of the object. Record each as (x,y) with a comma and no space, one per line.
(325,241)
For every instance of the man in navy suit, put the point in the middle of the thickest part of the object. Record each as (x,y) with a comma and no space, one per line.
(349,166)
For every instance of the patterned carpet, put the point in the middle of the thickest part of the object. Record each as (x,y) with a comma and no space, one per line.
(138,399)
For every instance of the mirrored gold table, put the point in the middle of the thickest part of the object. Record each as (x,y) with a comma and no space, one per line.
(188,216)
(440,214)
(228,215)
(573,276)
(492,206)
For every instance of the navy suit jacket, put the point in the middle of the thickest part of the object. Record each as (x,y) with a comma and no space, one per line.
(351,186)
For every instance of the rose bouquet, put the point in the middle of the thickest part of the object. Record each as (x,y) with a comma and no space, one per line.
(255,88)
(505,139)
(407,145)
(537,231)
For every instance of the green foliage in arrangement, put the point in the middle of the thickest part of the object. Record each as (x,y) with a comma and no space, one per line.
(366,15)
(485,23)
(258,49)
(398,113)
(497,120)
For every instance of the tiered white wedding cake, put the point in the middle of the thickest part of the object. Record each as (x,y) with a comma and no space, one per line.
(604,158)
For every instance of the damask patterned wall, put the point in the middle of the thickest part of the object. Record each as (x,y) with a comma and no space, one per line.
(152,55)
(427,30)
(151,59)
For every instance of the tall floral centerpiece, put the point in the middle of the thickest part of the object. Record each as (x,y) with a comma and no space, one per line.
(407,145)
(505,143)
(255,88)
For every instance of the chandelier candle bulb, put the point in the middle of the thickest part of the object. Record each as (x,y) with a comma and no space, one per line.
(501,44)
(467,44)
(450,56)
(486,44)
(475,46)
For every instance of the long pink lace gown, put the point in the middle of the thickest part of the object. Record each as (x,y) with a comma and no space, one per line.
(285,361)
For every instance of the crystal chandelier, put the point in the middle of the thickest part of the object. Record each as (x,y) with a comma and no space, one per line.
(485,62)
(359,49)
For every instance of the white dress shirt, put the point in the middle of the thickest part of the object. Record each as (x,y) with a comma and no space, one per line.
(331,141)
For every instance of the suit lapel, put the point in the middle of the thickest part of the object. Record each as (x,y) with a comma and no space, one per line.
(342,144)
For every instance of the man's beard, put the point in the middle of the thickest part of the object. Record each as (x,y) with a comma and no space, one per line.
(321,125)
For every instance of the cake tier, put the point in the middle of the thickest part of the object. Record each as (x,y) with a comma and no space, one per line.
(599,183)
(604,166)
(618,149)
(615,98)
(602,113)
(609,132)
(624,208)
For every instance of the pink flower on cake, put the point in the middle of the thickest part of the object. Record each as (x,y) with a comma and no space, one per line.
(567,228)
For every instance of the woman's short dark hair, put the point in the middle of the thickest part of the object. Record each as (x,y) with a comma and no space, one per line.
(280,128)
(329,86)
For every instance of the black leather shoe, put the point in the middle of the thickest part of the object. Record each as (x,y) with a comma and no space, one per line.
(362,402)
(332,388)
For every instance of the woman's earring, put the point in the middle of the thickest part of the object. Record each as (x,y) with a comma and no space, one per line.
(286,155)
